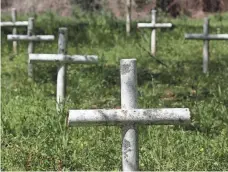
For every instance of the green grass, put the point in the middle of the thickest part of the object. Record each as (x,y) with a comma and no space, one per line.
(34,137)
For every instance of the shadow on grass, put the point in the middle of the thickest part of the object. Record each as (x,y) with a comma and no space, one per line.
(185,74)
(177,72)
(44,73)
(207,130)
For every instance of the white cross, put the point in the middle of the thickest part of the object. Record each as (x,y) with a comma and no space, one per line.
(62,59)
(128,16)
(206,37)
(153,25)
(14,23)
(128,116)
(31,38)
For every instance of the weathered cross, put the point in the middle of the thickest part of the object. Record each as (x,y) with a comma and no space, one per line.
(128,116)
(62,58)
(206,37)
(154,26)
(31,38)
(14,23)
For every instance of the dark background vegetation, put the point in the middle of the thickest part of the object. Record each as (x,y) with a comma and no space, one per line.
(140,8)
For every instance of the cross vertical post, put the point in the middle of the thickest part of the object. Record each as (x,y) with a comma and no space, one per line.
(205,45)
(128,16)
(61,77)
(14,18)
(153,33)
(30,32)
(129,101)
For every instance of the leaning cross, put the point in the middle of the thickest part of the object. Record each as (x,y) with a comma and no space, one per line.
(31,38)
(128,116)
(62,58)
(206,37)
(14,24)
(153,25)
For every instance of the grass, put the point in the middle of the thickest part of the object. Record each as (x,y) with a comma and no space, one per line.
(34,137)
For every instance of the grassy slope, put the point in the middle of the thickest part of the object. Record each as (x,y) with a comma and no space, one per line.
(35,137)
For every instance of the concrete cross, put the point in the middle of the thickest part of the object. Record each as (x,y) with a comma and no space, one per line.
(129,115)
(62,58)
(128,16)
(31,38)
(153,25)
(206,37)
(14,23)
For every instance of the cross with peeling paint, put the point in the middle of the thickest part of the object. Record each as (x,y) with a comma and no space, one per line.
(129,116)
(62,59)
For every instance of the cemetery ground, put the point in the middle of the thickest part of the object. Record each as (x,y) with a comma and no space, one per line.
(35,137)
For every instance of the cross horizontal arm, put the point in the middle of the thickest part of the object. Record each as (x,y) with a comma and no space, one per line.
(206,37)
(30,38)
(33,58)
(118,116)
(156,25)
(18,23)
